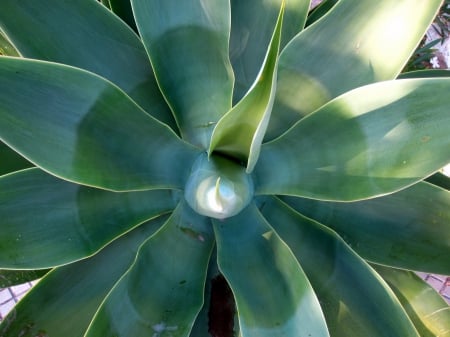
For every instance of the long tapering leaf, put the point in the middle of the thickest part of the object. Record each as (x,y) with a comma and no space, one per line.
(273,295)
(162,292)
(252,23)
(84,34)
(187,42)
(408,229)
(83,128)
(368,142)
(426,307)
(240,132)
(47,221)
(358,42)
(355,300)
(65,301)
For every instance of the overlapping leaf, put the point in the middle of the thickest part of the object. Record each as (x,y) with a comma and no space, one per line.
(368,142)
(353,45)
(240,132)
(408,229)
(426,308)
(48,221)
(65,301)
(350,292)
(162,292)
(252,23)
(189,54)
(83,128)
(84,34)
(273,295)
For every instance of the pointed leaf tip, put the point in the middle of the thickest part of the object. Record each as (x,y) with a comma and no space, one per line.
(240,132)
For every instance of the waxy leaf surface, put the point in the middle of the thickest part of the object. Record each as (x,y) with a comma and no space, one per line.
(371,141)
(417,239)
(64,302)
(162,292)
(427,309)
(84,129)
(273,295)
(357,43)
(189,54)
(350,292)
(86,35)
(240,132)
(49,222)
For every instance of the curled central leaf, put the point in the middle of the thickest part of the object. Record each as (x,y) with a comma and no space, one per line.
(218,187)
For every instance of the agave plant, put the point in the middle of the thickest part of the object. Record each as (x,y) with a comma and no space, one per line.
(222,168)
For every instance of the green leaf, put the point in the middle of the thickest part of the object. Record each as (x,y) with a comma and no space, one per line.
(9,278)
(240,132)
(48,221)
(252,23)
(426,308)
(83,128)
(85,34)
(187,42)
(355,301)
(10,160)
(273,295)
(64,302)
(371,141)
(162,292)
(349,47)
(408,229)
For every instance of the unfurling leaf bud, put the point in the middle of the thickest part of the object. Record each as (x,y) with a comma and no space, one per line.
(218,187)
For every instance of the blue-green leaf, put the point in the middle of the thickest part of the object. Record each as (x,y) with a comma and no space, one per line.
(187,42)
(65,301)
(354,299)
(84,34)
(47,221)
(240,132)
(349,47)
(425,306)
(371,141)
(273,295)
(409,229)
(83,128)
(162,292)
(252,23)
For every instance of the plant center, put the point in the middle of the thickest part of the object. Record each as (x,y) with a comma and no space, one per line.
(218,187)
